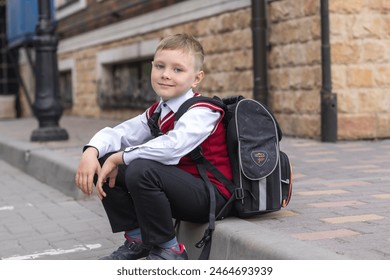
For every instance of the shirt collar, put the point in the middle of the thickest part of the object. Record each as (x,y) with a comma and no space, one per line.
(175,103)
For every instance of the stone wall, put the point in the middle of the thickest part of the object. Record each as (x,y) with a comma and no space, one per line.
(359,35)
(295,66)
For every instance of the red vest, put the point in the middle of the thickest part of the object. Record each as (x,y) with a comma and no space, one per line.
(213,148)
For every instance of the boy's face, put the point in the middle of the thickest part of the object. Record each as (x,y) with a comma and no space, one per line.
(174,73)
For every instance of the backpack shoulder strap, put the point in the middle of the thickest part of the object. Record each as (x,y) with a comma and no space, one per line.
(202,166)
(198,99)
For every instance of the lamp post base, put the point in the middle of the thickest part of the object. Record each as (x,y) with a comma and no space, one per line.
(49,134)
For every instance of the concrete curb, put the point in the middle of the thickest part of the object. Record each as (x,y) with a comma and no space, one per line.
(238,239)
(43,164)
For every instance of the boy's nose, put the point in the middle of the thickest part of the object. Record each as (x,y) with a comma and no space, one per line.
(165,74)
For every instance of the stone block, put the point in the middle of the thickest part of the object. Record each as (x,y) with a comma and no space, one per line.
(346,6)
(339,77)
(357,126)
(382,75)
(387,25)
(368,26)
(369,101)
(360,77)
(7,107)
(383,126)
(382,6)
(311,7)
(307,125)
(308,102)
(373,51)
(312,52)
(345,53)
(347,102)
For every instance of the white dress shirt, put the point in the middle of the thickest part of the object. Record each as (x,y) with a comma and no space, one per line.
(134,136)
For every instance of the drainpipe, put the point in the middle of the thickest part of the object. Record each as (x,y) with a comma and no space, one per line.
(328,99)
(259,48)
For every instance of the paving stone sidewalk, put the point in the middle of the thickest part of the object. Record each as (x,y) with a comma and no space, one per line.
(39,222)
(341,198)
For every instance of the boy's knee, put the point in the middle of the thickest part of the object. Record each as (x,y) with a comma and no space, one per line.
(138,167)
(138,171)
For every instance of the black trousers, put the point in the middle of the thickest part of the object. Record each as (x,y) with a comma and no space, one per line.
(149,194)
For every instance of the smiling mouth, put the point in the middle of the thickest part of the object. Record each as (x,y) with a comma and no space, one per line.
(165,85)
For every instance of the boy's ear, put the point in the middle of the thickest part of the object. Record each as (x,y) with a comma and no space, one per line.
(198,78)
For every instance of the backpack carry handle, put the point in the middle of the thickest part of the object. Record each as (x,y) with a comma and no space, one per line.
(232,99)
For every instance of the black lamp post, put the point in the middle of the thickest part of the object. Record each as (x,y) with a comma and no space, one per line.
(47,107)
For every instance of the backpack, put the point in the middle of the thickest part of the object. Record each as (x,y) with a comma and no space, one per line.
(262,174)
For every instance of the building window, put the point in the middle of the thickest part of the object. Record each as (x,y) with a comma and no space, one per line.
(66,8)
(66,69)
(127,86)
(65,85)
(123,76)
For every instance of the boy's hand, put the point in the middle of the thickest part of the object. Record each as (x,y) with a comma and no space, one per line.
(109,171)
(88,167)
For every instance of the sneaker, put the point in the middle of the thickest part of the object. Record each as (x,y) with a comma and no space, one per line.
(158,253)
(131,250)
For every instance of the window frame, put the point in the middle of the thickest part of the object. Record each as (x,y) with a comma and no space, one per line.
(69,9)
(137,53)
(68,65)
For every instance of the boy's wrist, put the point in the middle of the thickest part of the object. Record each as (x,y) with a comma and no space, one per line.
(117,158)
(120,158)
(92,150)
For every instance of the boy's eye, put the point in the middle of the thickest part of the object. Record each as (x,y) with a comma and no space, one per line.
(177,69)
(159,66)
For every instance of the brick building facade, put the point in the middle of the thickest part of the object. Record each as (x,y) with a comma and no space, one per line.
(106,46)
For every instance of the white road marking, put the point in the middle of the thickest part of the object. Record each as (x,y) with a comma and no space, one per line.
(7,208)
(54,252)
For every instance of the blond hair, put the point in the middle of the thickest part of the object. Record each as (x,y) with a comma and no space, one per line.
(184,42)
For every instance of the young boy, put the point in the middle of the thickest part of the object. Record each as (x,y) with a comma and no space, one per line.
(144,182)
